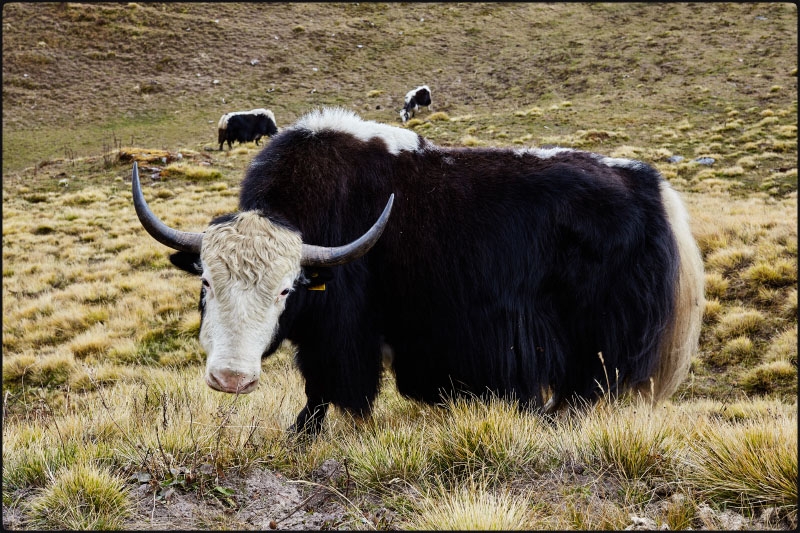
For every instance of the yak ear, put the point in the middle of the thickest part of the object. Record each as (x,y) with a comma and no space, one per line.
(314,278)
(187,262)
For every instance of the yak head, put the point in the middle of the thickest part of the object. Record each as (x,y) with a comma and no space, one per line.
(248,266)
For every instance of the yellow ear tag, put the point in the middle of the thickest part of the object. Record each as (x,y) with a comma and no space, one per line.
(317,287)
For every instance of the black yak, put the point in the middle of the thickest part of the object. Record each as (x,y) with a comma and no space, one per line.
(499,272)
(245,126)
(421,96)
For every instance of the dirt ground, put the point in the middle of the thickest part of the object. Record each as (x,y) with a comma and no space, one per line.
(265,500)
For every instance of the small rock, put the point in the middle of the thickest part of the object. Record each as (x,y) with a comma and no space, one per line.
(330,469)
(675,159)
(254,62)
(644,524)
(705,160)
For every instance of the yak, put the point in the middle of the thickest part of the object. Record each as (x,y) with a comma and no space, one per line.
(421,96)
(544,275)
(245,126)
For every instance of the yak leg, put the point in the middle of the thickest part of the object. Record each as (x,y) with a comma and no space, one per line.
(310,418)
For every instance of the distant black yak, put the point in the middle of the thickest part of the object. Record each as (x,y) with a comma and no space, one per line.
(245,126)
(500,271)
(415,98)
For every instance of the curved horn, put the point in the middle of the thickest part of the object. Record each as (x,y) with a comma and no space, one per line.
(338,255)
(179,240)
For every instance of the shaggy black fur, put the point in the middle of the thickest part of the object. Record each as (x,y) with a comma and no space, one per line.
(498,272)
(246,127)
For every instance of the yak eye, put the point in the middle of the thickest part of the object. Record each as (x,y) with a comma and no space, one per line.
(285,292)
(206,284)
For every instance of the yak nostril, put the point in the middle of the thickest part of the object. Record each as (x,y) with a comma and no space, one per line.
(231,381)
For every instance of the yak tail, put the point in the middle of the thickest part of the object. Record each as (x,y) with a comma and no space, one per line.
(681,338)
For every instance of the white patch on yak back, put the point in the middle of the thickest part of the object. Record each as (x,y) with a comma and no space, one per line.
(223,120)
(547,153)
(345,121)
(620,162)
(542,153)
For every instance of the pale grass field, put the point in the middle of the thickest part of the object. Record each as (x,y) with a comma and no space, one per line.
(102,377)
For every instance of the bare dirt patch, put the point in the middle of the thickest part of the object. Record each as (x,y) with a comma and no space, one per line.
(264,500)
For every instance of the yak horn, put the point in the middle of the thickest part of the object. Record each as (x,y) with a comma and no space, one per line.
(338,255)
(179,240)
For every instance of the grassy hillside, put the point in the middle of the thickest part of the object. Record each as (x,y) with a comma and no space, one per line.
(104,407)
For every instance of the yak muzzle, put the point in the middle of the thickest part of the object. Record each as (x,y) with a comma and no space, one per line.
(231,381)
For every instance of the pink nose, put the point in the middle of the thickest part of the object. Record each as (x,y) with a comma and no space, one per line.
(231,381)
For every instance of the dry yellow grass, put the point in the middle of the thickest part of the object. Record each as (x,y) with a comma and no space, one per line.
(92,306)
(101,365)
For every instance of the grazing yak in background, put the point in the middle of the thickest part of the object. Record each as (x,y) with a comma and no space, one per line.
(499,271)
(245,126)
(415,98)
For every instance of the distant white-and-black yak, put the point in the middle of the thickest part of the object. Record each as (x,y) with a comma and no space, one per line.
(421,96)
(245,126)
(499,272)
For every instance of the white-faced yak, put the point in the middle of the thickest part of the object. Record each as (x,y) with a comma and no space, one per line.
(491,272)
(245,126)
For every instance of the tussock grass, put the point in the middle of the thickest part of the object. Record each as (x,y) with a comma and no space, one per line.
(775,376)
(381,455)
(716,285)
(190,171)
(473,507)
(81,498)
(746,464)
(773,274)
(476,438)
(438,116)
(740,321)
(783,347)
(733,351)
(628,444)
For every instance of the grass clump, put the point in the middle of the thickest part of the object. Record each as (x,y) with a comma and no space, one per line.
(491,437)
(776,274)
(470,140)
(82,497)
(439,116)
(381,454)
(783,347)
(776,376)
(33,464)
(716,286)
(31,371)
(629,443)
(712,310)
(191,172)
(727,260)
(472,508)
(747,464)
(734,351)
(740,321)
